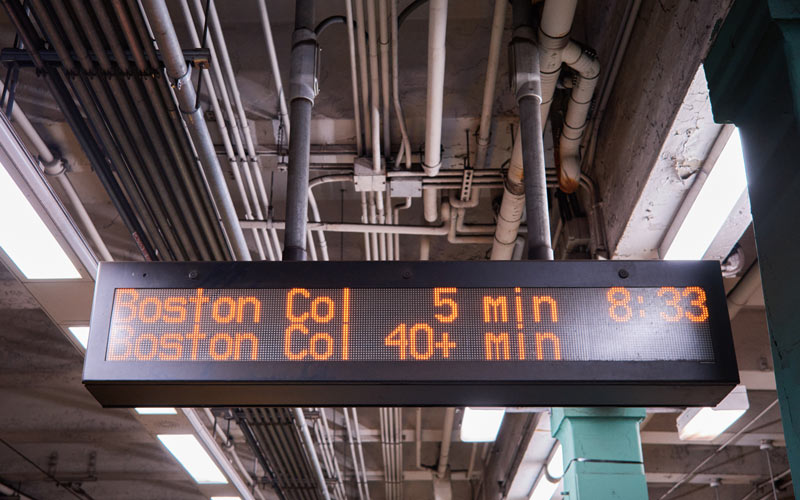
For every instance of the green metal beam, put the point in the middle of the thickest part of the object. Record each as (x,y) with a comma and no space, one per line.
(753,71)
(602,452)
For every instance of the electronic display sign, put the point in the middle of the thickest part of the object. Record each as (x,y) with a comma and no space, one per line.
(473,333)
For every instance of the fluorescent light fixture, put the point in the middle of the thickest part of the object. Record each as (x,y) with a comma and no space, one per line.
(81,334)
(705,424)
(193,457)
(481,425)
(226,498)
(156,411)
(26,239)
(544,488)
(713,205)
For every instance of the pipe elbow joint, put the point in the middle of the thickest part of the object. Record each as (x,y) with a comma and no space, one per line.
(569,174)
(55,167)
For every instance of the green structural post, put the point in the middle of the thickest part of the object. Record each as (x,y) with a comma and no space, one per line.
(602,452)
(753,72)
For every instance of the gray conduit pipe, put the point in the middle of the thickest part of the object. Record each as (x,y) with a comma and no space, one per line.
(529,100)
(167,39)
(447,436)
(302,91)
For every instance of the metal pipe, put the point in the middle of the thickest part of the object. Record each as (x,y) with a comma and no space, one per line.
(529,100)
(437,29)
(351,46)
(398,109)
(168,193)
(75,119)
(495,41)
(363,70)
(360,449)
(224,133)
(383,27)
(179,73)
(136,31)
(356,469)
(418,435)
(447,436)
(155,130)
(273,61)
(302,91)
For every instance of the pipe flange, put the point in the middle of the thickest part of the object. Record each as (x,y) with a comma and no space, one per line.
(53,168)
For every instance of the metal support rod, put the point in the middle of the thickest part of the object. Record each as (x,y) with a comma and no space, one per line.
(302,91)
(529,99)
(179,73)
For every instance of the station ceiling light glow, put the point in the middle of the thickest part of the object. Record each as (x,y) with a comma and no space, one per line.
(714,203)
(81,334)
(705,424)
(481,425)
(193,457)
(156,411)
(26,239)
(226,498)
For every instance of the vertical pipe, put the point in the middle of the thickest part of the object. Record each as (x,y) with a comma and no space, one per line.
(398,110)
(179,73)
(529,101)
(484,131)
(437,28)
(302,91)
(273,60)
(447,436)
(362,65)
(384,41)
(353,74)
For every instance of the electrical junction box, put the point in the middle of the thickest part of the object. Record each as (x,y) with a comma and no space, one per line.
(366,179)
(405,187)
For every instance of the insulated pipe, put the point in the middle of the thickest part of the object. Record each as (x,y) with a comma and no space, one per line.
(167,39)
(511,207)
(484,131)
(580,101)
(46,158)
(302,91)
(553,37)
(273,61)
(447,436)
(437,29)
(529,100)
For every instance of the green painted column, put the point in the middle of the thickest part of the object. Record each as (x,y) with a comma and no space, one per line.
(602,452)
(753,72)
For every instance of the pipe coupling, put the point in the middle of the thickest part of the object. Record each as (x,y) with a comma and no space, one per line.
(524,64)
(53,168)
(303,81)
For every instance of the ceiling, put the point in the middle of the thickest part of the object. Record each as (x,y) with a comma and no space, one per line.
(647,141)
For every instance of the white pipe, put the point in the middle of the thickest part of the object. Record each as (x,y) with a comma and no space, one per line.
(425,248)
(588,69)
(747,286)
(223,129)
(418,437)
(447,435)
(348,4)
(405,148)
(273,61)
(437,30)
(360,450)
(375,119)
(495,41)
(511,208)
(363,62)
(356,469)
(383,23)
(251,161)
(557,16)
(46,157)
